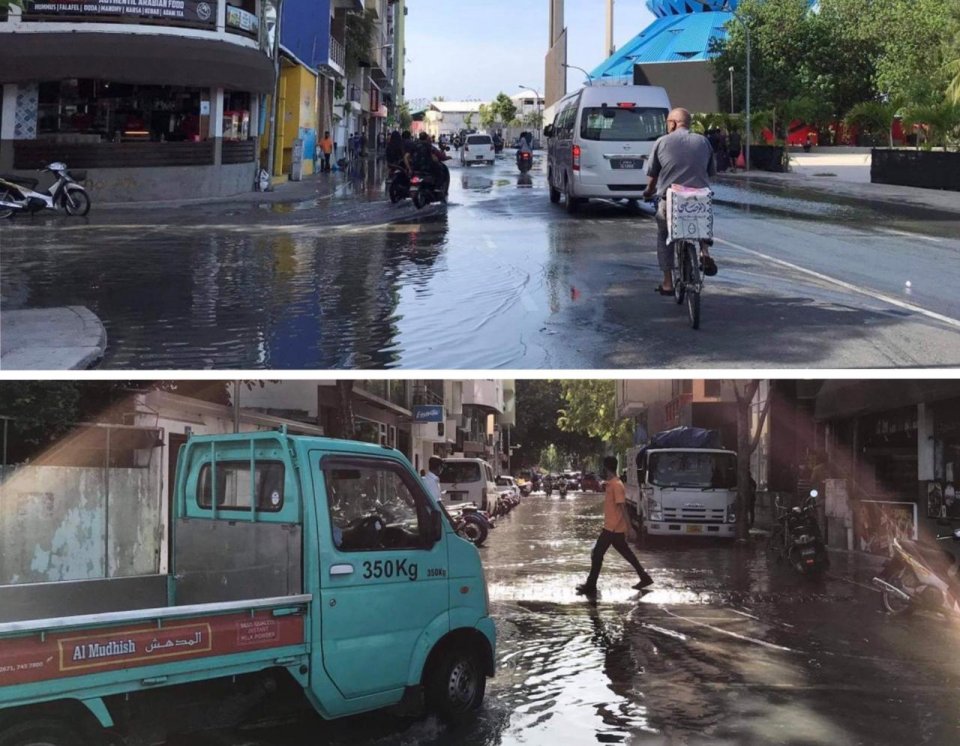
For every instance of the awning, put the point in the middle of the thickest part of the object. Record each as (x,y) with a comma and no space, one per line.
(160,59)
(841,399)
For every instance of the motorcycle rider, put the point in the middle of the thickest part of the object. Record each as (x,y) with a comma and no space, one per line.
(685,158)
(425,157)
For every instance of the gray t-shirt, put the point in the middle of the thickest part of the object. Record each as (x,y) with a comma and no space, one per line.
(682,157)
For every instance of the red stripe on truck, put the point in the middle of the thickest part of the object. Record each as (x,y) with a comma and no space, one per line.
(25,660)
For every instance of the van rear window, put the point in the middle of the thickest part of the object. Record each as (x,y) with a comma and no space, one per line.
(611,123)
(462,472)
(479,140)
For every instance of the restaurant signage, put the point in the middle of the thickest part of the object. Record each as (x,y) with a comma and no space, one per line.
(201,12)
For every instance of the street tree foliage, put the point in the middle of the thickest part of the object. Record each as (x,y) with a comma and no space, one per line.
(6,4)
(358,34)
(819,63)
(505,108)
(590,407)
(542,442)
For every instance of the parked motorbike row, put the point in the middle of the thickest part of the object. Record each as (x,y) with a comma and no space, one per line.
(19,194)
(474,524)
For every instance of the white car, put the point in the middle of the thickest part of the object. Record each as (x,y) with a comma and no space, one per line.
(478,149)
(508,485)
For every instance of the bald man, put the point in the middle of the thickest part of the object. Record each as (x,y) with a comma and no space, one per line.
(679,157)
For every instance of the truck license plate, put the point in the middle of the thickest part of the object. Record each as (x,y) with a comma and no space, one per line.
(694,529)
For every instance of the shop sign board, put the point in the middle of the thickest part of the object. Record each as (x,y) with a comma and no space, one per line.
(197,12)
(242,19)
(428,413)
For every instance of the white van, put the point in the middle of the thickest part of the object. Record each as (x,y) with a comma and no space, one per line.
(468,480)
(600,140)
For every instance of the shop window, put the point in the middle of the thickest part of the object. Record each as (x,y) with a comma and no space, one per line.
(712,389)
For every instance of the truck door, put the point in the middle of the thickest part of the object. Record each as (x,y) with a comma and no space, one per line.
(383,575)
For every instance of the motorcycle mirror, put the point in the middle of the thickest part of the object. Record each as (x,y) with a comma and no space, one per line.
(956,534)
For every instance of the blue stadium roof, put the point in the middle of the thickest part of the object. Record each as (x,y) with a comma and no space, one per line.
(679,34)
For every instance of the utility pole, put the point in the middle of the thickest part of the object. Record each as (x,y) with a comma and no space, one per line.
(610,49)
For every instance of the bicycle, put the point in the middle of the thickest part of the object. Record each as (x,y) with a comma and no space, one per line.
(687,277)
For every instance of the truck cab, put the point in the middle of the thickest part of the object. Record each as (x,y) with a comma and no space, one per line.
(322,564)
(682,491)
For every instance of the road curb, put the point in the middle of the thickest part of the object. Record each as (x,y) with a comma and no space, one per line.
(68,338)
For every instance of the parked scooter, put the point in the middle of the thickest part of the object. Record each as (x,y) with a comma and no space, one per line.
(18,193)
(470,523)
(796,537)
(920,576)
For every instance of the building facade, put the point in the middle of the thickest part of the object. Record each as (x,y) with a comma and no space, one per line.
(155,101)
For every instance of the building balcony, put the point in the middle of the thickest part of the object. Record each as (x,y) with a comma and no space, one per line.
(487,394)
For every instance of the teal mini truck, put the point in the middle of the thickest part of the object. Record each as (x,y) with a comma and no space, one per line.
(304,572)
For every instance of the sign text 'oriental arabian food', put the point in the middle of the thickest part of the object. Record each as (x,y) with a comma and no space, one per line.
(28,659)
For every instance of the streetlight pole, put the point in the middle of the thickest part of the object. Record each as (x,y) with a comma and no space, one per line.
(539,100)
(589,77)
(731,89)
(746,31)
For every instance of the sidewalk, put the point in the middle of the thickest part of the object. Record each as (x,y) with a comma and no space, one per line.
(850,181)
(70,338)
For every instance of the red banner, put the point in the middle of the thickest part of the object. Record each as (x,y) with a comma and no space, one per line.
(29,659)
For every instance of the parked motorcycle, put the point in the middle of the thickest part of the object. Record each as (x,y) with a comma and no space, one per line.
(18,194)
(920,576)
(470,523)
(796,537)
(524,161)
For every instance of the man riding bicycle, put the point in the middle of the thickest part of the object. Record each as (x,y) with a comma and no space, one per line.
(685,158)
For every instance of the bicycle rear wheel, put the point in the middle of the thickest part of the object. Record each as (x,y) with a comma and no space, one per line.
(692,281)
(678,286)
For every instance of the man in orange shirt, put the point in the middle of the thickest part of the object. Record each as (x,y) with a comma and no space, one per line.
(616,529)
(326,148)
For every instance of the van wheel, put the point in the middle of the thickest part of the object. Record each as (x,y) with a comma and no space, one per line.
(554,192)
(45,732)
(456,685)
(572,203)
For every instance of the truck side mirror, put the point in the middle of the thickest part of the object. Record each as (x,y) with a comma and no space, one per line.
(548,131)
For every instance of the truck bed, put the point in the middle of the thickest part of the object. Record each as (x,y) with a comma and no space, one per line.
(120,650)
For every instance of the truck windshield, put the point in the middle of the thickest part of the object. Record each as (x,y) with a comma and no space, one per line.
(691,469)
(460,471)
(624,125)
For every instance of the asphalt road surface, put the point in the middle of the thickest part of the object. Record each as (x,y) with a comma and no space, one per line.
(500,278)
(729,647)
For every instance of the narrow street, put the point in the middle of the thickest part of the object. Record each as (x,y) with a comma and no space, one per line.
(498,279)
(728,648)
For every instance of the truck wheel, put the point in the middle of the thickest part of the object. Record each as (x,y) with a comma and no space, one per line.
(44,732)
(456,685)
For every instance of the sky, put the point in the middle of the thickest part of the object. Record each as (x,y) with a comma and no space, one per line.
(473,49)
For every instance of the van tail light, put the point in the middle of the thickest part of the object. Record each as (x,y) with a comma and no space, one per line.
(576,157)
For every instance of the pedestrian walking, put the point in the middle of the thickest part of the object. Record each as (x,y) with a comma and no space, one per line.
(733,148)
(616,530)
(326,150)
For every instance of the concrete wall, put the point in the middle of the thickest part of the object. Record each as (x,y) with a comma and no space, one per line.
(63,522)
(108,185)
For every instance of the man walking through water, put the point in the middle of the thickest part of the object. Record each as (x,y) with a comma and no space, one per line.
(616,529)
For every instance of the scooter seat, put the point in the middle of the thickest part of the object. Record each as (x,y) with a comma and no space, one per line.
(21,180)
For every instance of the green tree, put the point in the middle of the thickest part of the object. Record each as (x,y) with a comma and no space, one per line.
(590,407)
(504,108)
(539,405)
(404,119)
(358,33)
(5,4)
(874,118)
(940,122)
(488,116)
(468,121)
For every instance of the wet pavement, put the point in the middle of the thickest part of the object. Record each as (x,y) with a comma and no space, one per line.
(727,648)
(498,279)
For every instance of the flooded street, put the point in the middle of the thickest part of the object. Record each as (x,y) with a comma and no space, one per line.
(498,279)
(727,648)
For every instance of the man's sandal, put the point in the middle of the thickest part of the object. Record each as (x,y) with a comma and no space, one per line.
(709,266)
(659,289)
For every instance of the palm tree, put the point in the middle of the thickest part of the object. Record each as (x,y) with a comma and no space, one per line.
(874,118)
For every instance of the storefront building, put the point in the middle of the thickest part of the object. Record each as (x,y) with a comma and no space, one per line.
(158,99)
(892,466)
